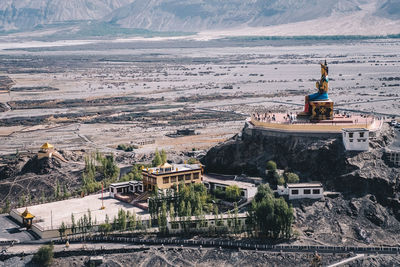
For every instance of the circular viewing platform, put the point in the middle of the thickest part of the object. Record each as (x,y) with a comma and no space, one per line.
(292,123)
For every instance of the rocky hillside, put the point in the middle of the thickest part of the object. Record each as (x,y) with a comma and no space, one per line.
(355,173)
(390,9)
(218,14)
(21,14)
(24,176)
(190,15)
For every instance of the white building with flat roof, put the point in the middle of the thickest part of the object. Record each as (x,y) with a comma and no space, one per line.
(313,190)
(355,139)
(126,187)
(247,190)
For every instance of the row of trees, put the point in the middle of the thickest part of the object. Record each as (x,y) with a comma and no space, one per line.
(269,216)
(58,195)
(181,200)
(123,222)
(98,169)
(134,174)
(159,158)
(231,193)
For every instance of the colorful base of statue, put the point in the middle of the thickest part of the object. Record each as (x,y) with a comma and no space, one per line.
(321,110)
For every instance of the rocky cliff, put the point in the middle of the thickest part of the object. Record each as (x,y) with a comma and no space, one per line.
(314,158)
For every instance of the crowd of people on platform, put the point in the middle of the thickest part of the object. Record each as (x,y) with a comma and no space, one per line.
(290,117)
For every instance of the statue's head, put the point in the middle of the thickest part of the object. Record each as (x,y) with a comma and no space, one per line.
(324,69)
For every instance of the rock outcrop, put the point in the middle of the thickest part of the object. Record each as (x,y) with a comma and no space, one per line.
(315,158)
(41,166)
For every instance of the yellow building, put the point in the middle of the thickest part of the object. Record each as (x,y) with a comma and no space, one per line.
(166,175)
(46,151)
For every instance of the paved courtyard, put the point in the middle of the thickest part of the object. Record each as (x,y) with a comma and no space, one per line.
(51,215)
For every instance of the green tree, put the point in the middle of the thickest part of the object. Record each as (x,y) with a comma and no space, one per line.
(105,228)
(43,197)
(132,222)
(232,192)
(188,209)
(7,207)
(163,156)
(57,190)
(157,161)
(44,256)
(269,216)
(110,168)
(172,213)
(22,201)
(62,229)
(122,220)
(182,209)
(89,221)
(271,166)
(280,181)
(236,218)
(162,218)
(292,178)
(73,225)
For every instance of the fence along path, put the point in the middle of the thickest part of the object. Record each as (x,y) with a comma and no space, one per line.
(238,245)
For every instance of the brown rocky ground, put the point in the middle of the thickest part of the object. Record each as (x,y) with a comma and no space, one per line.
(205,257)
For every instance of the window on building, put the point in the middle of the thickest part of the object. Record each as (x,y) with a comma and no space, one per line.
(307,191)
(242,193)
(295,192)
(351,140)
(188,177)
(166,180)
(180,178)
(173,179)
(316,191)
(196,175)
(361,135)
(175,225)
(351,135)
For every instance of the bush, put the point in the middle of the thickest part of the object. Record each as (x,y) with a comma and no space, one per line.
(121,147)
(232,192)
(281,181)
(292,178)
(44,256)
(192,161)
(126,148)
(271,165)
